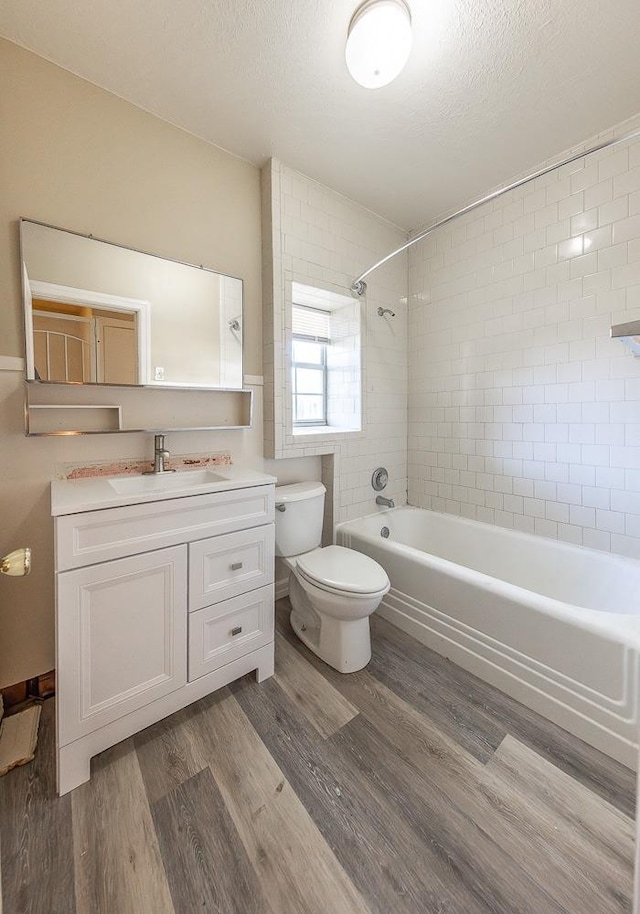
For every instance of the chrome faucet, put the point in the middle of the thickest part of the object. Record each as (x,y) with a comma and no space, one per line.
(160,454)
(385,502)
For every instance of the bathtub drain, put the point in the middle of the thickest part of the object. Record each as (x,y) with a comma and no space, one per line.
(384,533)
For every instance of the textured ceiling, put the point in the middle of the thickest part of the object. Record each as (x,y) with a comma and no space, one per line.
(492,88)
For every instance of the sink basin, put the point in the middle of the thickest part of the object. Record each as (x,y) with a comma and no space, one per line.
(169,482)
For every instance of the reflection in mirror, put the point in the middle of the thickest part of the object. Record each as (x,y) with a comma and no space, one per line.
(98,313)
(83,344)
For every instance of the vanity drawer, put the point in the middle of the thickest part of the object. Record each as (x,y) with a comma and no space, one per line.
(225,631)
(111,533)
(225,566)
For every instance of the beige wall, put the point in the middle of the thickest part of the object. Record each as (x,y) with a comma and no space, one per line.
(75,156)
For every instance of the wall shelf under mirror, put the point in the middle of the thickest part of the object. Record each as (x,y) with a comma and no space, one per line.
(76,409)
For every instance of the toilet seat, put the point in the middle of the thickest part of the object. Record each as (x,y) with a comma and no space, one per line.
(338,570)
(345,594)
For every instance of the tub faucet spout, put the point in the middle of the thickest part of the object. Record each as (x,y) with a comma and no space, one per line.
(385,502)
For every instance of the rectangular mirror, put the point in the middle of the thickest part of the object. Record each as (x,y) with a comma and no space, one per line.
(101,313)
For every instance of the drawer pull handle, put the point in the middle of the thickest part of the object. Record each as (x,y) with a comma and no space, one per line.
(236,630)
(236,565)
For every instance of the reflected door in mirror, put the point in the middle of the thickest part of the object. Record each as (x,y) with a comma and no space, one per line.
(116,350)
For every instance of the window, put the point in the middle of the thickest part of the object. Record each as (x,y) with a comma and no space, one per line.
(309,366)
(324,362)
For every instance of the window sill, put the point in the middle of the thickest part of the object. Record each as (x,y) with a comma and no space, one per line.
(328,431)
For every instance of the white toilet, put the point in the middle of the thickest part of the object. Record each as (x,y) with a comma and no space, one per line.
(333,590)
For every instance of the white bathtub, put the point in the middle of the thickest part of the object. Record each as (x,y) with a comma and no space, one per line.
(555,626)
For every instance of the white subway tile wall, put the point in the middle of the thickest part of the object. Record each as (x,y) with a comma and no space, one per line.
(522,411)
(315,236)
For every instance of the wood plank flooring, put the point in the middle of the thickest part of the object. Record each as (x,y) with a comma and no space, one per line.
(408,788)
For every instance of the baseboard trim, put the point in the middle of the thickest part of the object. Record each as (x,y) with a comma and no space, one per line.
(282,588)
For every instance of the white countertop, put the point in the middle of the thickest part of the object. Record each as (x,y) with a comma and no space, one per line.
(72,496)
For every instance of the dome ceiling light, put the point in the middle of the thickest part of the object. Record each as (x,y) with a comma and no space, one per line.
(378,42)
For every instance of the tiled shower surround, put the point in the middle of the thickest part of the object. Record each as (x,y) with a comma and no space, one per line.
(315,236)
(522,411)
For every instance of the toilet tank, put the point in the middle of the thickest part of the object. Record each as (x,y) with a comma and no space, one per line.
(299,516)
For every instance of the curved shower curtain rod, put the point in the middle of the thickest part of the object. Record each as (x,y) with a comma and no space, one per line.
(359,286)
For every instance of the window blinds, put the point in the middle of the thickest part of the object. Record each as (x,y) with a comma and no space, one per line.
(311,323)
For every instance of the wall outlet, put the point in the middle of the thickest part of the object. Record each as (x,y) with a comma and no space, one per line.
(159,374)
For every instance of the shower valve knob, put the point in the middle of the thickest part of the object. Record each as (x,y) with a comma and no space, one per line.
(379,479)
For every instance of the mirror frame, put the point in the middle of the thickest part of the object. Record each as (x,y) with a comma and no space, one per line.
(142,348)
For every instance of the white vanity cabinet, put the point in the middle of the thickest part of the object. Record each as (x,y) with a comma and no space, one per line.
(157,604)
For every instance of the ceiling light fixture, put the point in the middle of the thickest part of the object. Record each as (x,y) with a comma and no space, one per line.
(378,42)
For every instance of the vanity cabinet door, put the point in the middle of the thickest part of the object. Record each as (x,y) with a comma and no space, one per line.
(121,639)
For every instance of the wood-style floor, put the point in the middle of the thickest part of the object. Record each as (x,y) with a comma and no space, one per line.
(409,788)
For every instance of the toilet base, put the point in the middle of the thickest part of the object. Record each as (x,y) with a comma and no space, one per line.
(344,645)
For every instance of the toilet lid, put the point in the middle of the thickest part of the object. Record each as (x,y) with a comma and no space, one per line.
(344,570)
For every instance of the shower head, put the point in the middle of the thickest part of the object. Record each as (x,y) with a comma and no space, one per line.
(234,324)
